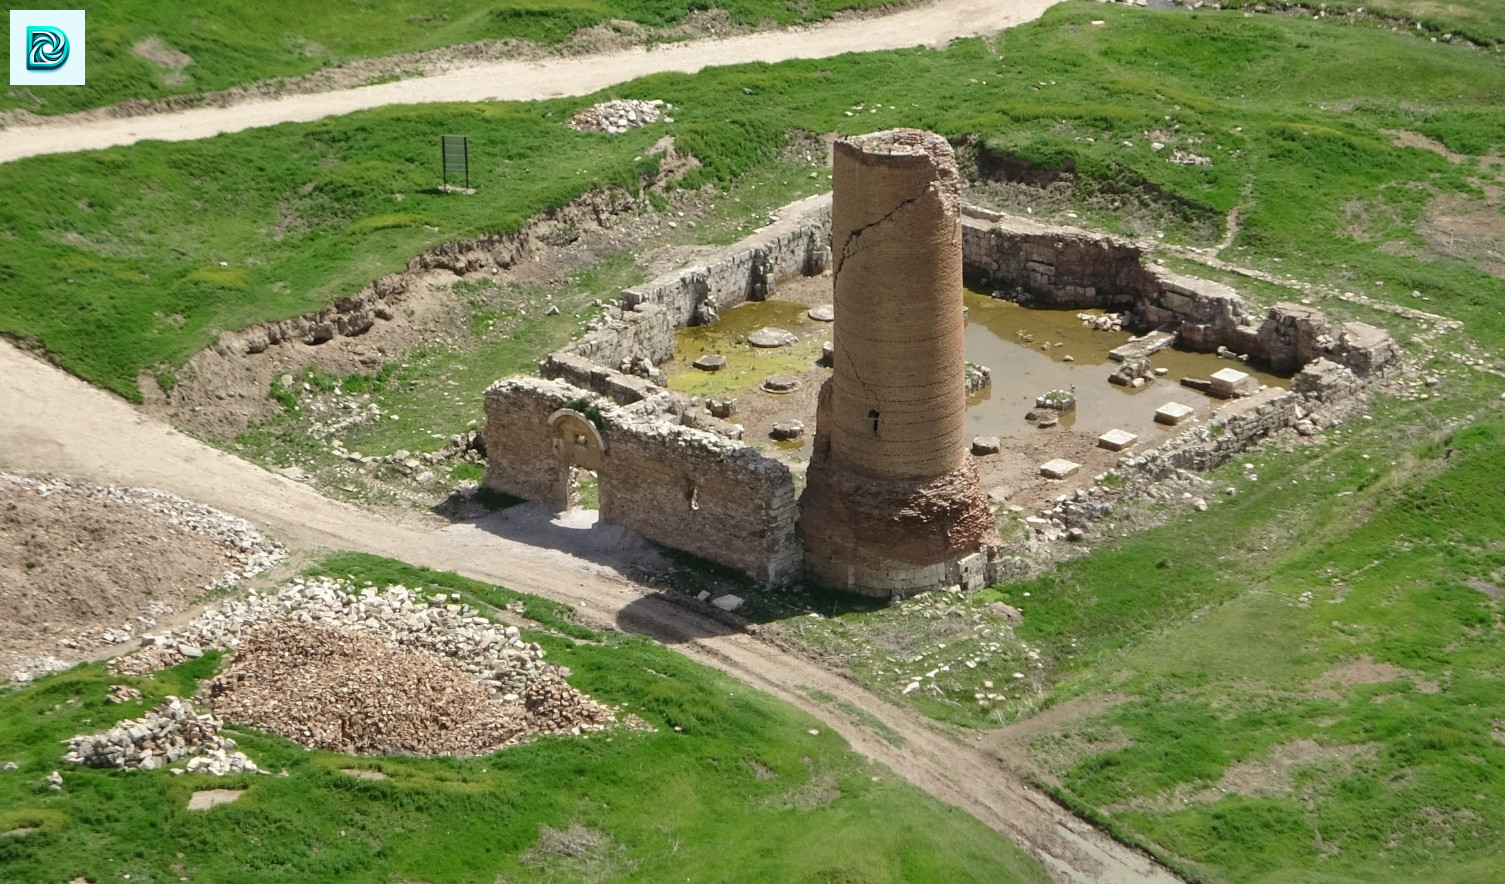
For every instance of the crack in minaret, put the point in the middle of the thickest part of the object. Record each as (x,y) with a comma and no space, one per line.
(849,247)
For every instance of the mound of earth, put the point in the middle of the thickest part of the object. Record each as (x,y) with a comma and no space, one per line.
(84,567)
(375,672)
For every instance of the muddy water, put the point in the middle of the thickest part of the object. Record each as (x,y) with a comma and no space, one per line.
(1009,339)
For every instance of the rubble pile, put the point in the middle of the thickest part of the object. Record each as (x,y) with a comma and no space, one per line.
(163,736)
(1102,322)
(616,117)
(376,671)
(248,553)
(347,692)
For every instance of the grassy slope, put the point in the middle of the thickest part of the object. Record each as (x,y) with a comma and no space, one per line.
(1224,660)
(687,805)
(301,213)
(1481,21)
(233,42)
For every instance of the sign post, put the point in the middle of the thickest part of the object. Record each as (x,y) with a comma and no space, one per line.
(454,156)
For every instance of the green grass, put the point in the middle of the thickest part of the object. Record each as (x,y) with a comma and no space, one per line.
(99,270)
(234,42)
(742,792)
(1225,661)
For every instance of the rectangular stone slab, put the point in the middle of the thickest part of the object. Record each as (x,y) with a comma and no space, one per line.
(1139,348)
(1116,440)
(1059,468)
(1173,413)
(1231,382)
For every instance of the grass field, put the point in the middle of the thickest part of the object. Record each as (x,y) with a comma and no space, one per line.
(193,47)
(100,270)
(742,792)
(1331,663)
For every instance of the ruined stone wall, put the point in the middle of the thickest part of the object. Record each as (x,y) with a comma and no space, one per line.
(697,492)
(1238,425)
(641,328)
(1065,268)
(795,245)
(520,456)
(682,487)
(1057,266)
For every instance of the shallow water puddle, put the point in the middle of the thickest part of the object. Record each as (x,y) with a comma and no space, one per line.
(1031,352)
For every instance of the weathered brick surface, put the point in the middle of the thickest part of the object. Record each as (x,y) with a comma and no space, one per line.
(892,503)
(679,486)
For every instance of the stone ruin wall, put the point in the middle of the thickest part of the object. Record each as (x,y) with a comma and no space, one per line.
(746,514)
(639,332)
(1065,268)
(672,484)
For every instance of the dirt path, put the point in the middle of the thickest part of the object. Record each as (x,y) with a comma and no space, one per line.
(53,421)
(933,24)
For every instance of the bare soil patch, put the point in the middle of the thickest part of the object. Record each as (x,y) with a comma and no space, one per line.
(1407,138)
(1468,228)
(171,61)
(1360,671)
(84,568)
(1049,743)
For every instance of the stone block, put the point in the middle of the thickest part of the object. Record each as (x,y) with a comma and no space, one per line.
(1173,413)
(1116,440)
(1231,382)
(1059,468)
(986,445)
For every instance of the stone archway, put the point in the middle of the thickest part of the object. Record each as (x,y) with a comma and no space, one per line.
(578,445)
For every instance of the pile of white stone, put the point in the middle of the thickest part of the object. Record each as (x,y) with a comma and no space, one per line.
(502,690)
(493,655)
(163,736)
(616,117)
(248,552)
(1104,322)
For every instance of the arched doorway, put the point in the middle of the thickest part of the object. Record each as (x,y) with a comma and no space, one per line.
(578,446)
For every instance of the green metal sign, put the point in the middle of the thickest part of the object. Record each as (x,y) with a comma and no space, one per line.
(454,154)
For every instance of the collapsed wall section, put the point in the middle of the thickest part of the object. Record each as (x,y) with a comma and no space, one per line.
(1050,267)
(675,485)
(638,333)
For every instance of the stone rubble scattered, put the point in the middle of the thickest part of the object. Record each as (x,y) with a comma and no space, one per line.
(346,691)
(247,553)
(167,734)
(487,684)
(616,117)
(122,693)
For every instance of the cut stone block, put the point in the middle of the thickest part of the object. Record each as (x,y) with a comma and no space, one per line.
(1059,468)
(1231,382)
(207,798)
(1116,440)
(1173,413)
(986,445)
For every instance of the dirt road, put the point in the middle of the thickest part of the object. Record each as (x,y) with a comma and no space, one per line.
(50,420)
(931,24)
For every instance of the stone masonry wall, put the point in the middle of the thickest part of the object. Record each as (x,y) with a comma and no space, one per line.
(700,493)
(642,327)
(1067,268)
(682,487)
